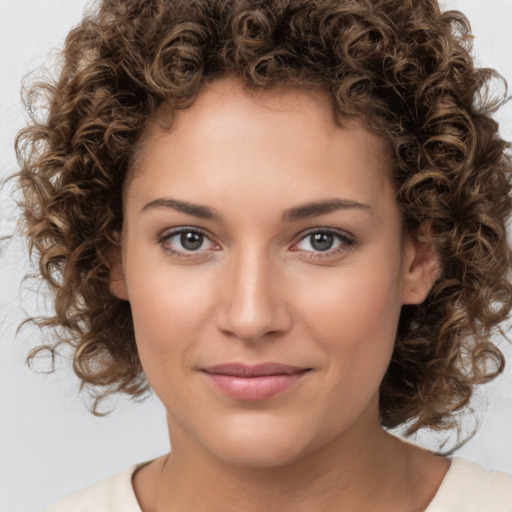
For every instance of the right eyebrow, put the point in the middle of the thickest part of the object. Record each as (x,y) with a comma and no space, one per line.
(196,210)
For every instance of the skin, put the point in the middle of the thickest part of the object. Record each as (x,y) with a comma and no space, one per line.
(257,291)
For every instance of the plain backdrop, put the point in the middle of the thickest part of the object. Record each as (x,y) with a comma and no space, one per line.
(50,444)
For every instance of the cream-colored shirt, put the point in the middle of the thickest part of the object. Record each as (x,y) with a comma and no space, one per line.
(467,487)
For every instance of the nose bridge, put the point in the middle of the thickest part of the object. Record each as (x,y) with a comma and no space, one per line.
(252,305)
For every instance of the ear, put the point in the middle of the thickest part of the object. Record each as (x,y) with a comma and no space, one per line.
(117,278)
(421,265)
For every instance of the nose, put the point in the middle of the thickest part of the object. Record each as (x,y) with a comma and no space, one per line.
(252,302)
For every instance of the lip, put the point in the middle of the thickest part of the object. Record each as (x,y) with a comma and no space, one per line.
(253,382)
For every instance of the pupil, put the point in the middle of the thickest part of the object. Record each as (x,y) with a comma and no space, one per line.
(322,241)
(191,241)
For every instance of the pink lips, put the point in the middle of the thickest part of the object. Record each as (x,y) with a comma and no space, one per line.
(246,382)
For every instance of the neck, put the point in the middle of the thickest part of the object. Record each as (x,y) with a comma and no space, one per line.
(341,472)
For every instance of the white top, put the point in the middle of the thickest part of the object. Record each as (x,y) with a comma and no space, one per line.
(467,487)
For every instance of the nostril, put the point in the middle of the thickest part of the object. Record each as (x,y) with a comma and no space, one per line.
(253,327)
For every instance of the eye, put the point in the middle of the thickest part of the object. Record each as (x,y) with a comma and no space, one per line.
(324,242)
(186,241)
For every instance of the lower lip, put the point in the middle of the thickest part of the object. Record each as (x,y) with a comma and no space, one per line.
(254,388)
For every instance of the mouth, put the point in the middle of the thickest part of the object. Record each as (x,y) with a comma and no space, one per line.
(253,382)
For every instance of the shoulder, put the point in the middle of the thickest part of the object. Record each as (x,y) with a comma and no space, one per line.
(113,494)
(468,487)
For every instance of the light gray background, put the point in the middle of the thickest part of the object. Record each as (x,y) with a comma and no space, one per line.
(50,444)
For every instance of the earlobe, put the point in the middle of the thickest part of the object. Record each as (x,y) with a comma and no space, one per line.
(117,278)
(421,266)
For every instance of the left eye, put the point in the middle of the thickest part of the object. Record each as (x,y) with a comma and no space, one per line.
(322,241)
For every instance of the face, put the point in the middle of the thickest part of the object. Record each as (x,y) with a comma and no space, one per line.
(265,266)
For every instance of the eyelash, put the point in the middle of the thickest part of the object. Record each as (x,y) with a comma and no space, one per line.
(346,242)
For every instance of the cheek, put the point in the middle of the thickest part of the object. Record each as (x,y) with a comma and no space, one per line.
(353,315)
(169,311)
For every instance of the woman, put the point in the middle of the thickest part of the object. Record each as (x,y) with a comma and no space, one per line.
(290,218)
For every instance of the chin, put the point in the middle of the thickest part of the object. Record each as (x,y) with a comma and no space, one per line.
(253,454)
(255,442)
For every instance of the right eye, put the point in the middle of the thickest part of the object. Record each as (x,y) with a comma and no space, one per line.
(186,242)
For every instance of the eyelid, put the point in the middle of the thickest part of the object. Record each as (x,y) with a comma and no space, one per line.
(344,235)
(170,232)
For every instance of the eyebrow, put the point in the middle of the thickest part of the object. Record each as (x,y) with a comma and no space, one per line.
(307,210)
(317,208)
(202,212)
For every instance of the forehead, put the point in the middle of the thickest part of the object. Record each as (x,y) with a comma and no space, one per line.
(298,112)
(234,147)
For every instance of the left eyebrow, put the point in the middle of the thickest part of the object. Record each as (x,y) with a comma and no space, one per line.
(317,208)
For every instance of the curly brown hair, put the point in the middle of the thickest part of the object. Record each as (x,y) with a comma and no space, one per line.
(402,66)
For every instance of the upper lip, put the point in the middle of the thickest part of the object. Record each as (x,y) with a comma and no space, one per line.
(257,370)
